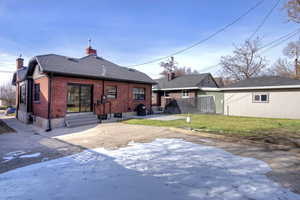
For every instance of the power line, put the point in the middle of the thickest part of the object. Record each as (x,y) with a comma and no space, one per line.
(280,42)
(205,39)
(269,45)
(264,20)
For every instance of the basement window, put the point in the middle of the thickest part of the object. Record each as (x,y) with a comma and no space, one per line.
(22,94)
(36,96)
(139,93)
(260,97)
(111,92)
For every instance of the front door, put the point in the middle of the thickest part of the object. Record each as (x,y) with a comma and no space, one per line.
(79,98)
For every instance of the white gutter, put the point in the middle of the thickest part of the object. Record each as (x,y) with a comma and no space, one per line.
(184,88)
(262,87)
(210,89)
(189,88)
(231,89)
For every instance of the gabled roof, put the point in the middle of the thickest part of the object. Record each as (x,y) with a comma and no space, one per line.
(264,81)
(20,75)
(90,66)
(186,81)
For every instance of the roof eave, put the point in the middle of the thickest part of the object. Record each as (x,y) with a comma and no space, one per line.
(97,77)
(262,87)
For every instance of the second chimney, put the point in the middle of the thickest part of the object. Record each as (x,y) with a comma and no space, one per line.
(171,76)
(90,51)
(19,63)
(297,69)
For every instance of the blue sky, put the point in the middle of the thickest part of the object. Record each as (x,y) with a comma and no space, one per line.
(133,31)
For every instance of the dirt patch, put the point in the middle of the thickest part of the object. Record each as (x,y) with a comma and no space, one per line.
(4,128)
(276,137)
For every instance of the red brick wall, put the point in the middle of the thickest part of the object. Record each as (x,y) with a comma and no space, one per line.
(123,103)
(40,108)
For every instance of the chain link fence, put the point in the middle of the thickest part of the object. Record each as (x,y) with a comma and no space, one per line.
(204,104)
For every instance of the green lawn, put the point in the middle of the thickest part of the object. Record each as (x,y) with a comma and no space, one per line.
(241,126)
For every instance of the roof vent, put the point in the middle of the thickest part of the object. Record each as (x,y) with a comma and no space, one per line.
(131,70)
(73,59)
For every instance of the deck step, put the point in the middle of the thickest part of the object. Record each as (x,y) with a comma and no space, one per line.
(81,119)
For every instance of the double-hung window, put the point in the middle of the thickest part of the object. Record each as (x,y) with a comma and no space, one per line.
(36,95)
(139,93)
(185,94)
(260,97)
(111,92)
(22,94)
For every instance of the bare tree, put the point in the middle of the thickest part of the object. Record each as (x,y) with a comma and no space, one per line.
(292,50)
(172,66)
(293,9)
(282,67)
(8,94)
(244,63)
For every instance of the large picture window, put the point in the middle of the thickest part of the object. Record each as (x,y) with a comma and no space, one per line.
(79,98)
(139,93)
(36,96)
(260,97)
(111,92)
(22,94)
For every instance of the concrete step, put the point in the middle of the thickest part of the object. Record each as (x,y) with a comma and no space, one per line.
(82,123)
(79,115)
(81,119)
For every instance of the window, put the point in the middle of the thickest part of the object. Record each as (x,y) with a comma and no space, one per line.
(36,94)
(22,94)
(111,92)
(260,98)
(139,93)
(185,94)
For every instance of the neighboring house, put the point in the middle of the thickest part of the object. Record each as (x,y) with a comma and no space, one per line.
(273,97)
(198,90)
(54,88)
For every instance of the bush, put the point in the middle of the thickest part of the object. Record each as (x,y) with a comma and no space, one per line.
(3,107)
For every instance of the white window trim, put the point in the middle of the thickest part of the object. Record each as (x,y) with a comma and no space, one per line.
(185,94)
(260,94)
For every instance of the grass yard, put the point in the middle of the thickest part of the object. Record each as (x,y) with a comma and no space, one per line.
(248,127)
(4,128)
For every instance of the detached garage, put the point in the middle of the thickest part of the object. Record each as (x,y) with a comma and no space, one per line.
(273,97)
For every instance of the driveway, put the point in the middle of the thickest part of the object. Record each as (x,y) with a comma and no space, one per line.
(36,145)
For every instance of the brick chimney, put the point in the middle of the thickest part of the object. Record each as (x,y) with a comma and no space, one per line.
(297,69)
(90,51)
(19,63)
(171,76)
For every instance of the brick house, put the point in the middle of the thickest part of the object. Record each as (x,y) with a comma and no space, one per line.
(54,88)
(189,90)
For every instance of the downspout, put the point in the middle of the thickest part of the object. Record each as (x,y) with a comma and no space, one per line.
(49,102)
(17,98)
(103,91)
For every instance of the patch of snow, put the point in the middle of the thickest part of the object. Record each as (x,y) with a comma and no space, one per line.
(12,155)
(206,140)
(34,155)
(15,153)
(163,169)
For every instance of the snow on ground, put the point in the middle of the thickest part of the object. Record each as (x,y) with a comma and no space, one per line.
(163,169)
(18,154)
